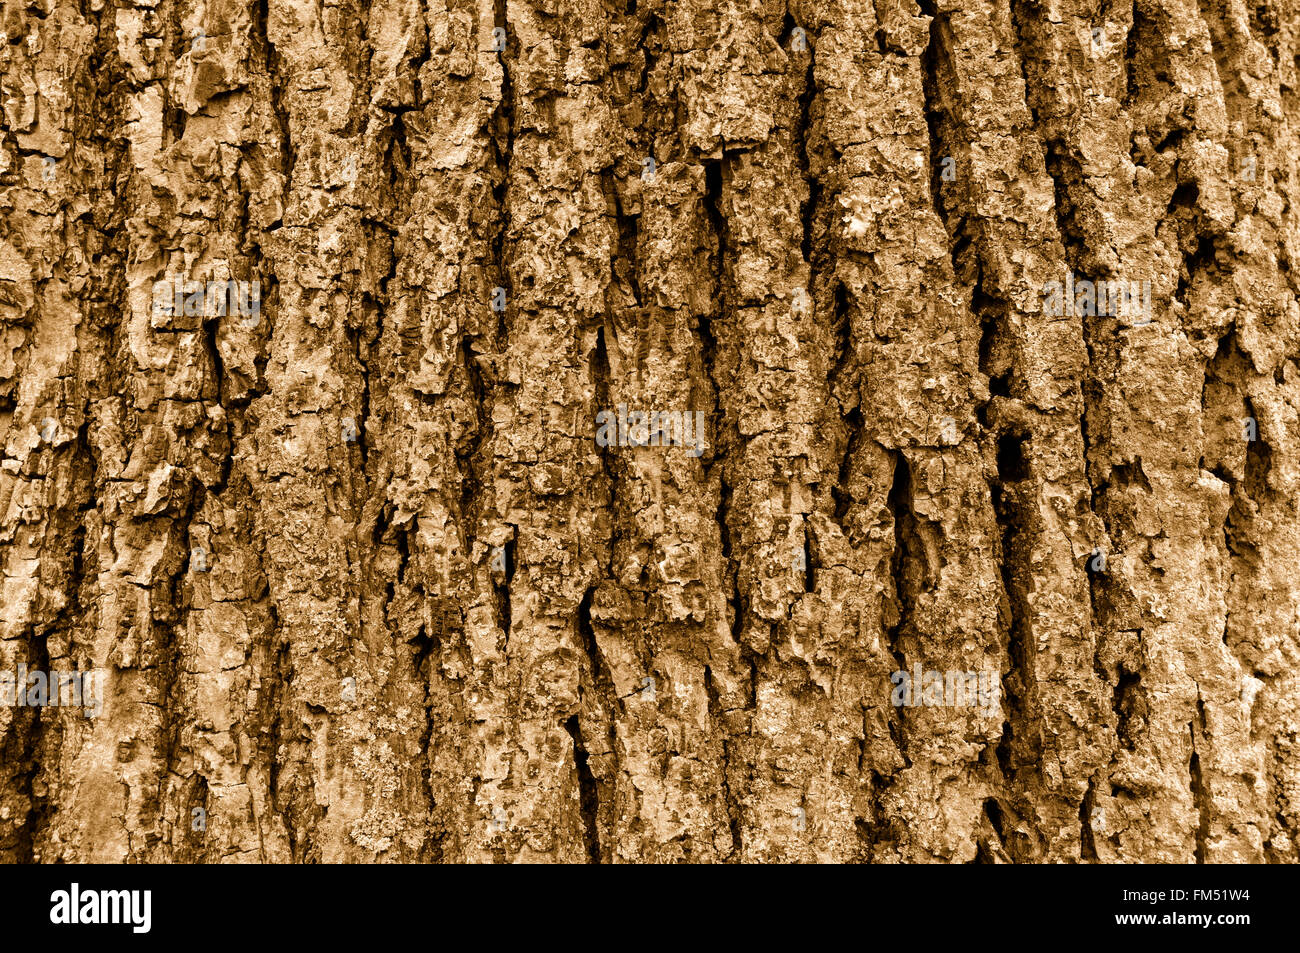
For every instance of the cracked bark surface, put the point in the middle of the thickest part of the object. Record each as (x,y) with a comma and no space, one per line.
(431,619)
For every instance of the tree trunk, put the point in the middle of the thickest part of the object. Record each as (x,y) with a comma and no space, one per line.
(650,431)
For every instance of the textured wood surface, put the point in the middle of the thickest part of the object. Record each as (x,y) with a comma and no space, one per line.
(363,582)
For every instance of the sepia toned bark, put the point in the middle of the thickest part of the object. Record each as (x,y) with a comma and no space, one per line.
(365,585)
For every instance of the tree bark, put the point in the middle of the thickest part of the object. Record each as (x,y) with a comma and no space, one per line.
(366,581)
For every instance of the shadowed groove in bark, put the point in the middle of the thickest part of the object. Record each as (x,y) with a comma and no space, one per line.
(1089,843)
(589,800)
(1200,792)
(905,569)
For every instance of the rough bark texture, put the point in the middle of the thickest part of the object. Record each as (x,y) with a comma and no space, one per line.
(365,586)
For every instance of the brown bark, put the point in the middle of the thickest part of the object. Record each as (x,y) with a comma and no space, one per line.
(361,576)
